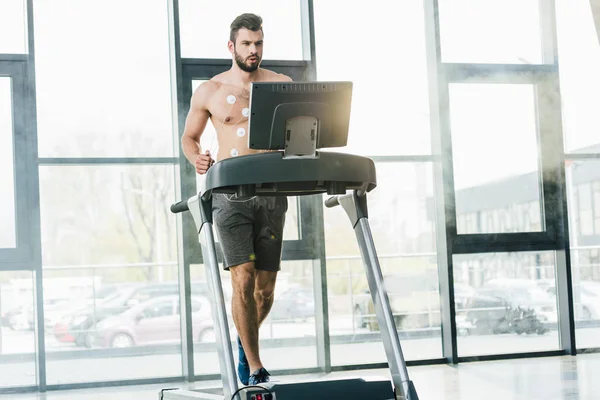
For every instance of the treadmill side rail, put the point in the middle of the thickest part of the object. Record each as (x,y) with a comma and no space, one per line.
(217,300)
(356,208)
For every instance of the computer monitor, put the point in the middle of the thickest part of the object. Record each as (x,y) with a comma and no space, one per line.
(299,117)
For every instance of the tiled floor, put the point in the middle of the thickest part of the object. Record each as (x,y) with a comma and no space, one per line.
(573,378)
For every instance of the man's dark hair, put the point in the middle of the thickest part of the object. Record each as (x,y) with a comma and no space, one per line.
(249,21)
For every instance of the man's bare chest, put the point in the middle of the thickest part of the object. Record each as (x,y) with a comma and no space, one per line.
(230,106)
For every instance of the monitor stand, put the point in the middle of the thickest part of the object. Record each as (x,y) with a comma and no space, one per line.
(301,137)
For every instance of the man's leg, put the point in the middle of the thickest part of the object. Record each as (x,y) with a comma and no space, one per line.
(244,310)
(268,230)
(264,289)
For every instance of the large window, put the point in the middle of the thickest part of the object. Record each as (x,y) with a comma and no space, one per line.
(390,116)
(108,239)
(107,170)
(107,323)
(17,341)
(205,27)
(505,303)
(579,52)
(7,178)
(474,31)
(579,55)
(109,255)
(496,181)
(114,98)
(404,235)
(13,22)
(98,214)
(583,187)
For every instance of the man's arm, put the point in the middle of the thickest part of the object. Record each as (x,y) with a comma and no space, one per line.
(194,128)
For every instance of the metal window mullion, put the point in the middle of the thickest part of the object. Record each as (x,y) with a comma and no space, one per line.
(20,256)
(312,223)
(418,158)
(226,63)
(34,208)
(9,68)
(443,177)
(497,73)
(184,184)
(313,236)
(309,48)
(14,57)
(548,101)
(503,242)
(582,156)
(33,201)
(44,161)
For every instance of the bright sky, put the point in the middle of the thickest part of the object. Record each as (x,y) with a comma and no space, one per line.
(103,87)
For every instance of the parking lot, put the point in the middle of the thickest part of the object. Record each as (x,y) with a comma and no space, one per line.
(285,346)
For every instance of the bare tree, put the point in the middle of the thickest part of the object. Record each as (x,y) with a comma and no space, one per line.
(144,196)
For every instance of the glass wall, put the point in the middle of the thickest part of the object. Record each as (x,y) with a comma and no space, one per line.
(114,98)
(480,36)
(579,52)
(108,239)
(583,185)
(13,31)
(389,116)
(108,162)
(110,260)
(205,27)
(389,119)
(17,341)
(8,237)
(404,235)
(505,303)
(497,184)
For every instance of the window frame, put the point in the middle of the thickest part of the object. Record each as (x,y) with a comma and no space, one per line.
(22,256)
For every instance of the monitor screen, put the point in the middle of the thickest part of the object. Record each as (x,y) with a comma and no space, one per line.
(274,104)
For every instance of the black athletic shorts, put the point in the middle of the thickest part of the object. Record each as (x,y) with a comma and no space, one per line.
(250,229)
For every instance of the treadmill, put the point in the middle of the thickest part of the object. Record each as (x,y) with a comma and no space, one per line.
(293,120)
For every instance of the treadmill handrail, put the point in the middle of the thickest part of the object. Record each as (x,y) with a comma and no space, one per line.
(179,207)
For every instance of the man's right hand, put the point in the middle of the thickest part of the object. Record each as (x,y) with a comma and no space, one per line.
(204,162)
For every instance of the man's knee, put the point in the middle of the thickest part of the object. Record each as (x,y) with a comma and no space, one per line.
(265,285)
(264,294)
(242,280)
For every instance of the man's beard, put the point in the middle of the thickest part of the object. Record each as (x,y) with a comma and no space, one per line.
(243,66)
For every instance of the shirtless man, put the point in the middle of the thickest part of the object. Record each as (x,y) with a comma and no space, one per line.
(250,231)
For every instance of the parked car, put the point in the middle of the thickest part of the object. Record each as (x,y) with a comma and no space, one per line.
(524,293)
(414,300)
(293,303)
(587,297)
(80,325)
(485,313)
(155,321)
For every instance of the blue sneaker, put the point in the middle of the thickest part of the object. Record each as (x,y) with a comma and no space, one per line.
(259,376)
(243,366)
